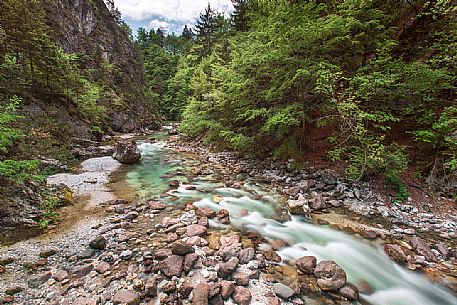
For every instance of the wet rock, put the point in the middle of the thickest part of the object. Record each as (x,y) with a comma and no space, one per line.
(350,292)
(246,255)
(277,244)
(271,255)
(203,222)
(38,280)
(421,247)
(227,252)
(225,269)
(283,291)
(126,297)
(181,248)
(156,205)
(186,288)
(127,152)
(242,295)
(172,266)
(98,243)
(60,275)
(306,264)
(226,241)
(189,261)
(174,183)
(201,294)
(48,253)
(196,230)
(83,270)
(443,250)
(396,253)
(216,300)
(330,276)
(241,278)
(227,288)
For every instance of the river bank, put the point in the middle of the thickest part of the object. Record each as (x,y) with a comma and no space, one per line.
(165,243)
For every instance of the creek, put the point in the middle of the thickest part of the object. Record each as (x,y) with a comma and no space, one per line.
(256,206)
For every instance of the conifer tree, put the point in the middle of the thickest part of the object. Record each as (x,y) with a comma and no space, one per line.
(207,29)
(239,15)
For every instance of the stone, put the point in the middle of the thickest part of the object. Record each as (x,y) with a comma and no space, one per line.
(293,191)
(443,250)
(317,203)
(169,287)
(227,288)
(181,248)
(242,296)
(421,247)
(60,275)
(330,276)
(150,288)
(306,264)
(156,205)
(174,183)
(48,253)
(14,290)
(241,278)
(189,261)
(396,253)
(229,251)
(277,244)
(162,254)
(126,255)
(201,294)
(103,267)
(196,230)
(283,291)
(171,237)
(216,300)
(98,243)
(126,297)
(229,240)
(83,270)
(225,269)
(172,266)
(127,152)
(246,255)
(186,288)
(38,280)
(271,255)
(350,292)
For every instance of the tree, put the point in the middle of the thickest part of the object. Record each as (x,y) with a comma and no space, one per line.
(207,28)
(187,33)
(239,15)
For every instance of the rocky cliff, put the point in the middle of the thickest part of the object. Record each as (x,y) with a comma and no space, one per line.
(86,28)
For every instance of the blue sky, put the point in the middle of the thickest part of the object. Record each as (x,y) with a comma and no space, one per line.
(170,15)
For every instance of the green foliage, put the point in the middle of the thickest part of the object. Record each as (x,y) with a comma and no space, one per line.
(8,115)
(20,171)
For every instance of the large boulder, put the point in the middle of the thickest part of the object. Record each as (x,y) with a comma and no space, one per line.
(127,152)
(330,276)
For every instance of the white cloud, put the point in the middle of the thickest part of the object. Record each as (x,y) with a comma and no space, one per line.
(155,24)
(183,11)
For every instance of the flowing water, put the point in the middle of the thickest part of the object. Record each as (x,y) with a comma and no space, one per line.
(256,207)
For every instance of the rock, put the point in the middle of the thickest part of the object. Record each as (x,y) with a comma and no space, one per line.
(293,191)
(156,205)
(150,288)
(172,266)
(330,276)
(350,292)
(126,297)
(306,264)
(317,203)
(126,255)
(162,254)
(216,300)
(127,152)
(271,255)
(396,253)
(226,241)
(201,294)
(98,243)
(181,248)
(246,255)
(421,247)
(189,261)
(444,250)
(186,288)
(283,291)
(227,288)
(241,278)
(227,252)
(102,268)
(278,244)
(60,275)
(83,270)
(48,253)
(38,280)
(242,296)
(225,269)
(14,290)
(174,183)
(196,230)
(84,301)
(169,287)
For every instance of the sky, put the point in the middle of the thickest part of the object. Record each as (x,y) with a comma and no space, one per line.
(170,15)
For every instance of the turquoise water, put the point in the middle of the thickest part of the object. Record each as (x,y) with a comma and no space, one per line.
(255,207)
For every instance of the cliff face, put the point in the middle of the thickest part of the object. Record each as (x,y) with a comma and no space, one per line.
(86,28)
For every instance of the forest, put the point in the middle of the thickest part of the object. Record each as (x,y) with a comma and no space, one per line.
(370,82)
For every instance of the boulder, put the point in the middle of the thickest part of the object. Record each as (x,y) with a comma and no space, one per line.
(196,230)
(246,255)
(225,269)
(396,253)
(242,296)
(421,247)
(350,292)
(227,288)
(126,297)
(201,294)
(330,276)
(172,266)
(317,203)
(98,243)
(306,264)
(127,152)
(283,291)
(181,248)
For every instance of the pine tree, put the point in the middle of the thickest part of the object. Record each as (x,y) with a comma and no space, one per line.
(207,29)
(187,33)
(239,15)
